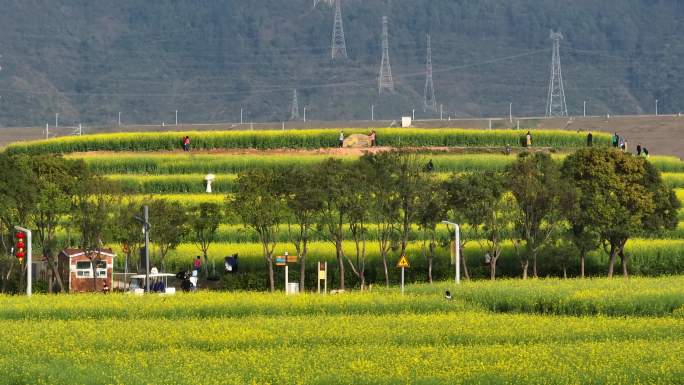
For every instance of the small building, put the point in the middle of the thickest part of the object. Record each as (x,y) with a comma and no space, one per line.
(76,268)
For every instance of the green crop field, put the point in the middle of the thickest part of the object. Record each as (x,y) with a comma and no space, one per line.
(533,332)
(303,139)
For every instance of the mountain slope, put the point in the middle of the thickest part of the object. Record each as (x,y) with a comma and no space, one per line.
(88,60)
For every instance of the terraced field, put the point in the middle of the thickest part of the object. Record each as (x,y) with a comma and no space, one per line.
(151,165)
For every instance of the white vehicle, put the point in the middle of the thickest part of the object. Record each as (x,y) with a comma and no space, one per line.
(158,284)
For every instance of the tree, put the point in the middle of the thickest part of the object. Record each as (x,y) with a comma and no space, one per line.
(56,180)
(126,230)
(303,199)
(258,206)
(620,196)
(93,202)
(409,181)
(432,209)
(333,176)
(358,215)
(18,197)
(204,223)
(168,226)
(384,207)
(479,200)
(536,184)
(582,235)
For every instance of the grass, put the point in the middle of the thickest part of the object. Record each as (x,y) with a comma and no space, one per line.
(310,139)
(379,337)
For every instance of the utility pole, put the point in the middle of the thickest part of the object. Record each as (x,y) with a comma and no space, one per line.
(656,107)
(240,115)
(429,104)
(441,112)
(57,119)
(457,244)
(413,114)
(47,131)
(385,81)
(119,118)
(339,45)
(294,108)
(372,112)
(555,104)
(176,117)
(584,113)
(304,114)
(29,262)
(510,112)
(145,220)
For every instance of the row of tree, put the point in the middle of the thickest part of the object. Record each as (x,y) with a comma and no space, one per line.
(55,196)
(595,199)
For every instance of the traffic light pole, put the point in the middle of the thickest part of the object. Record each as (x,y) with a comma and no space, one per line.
(29,265)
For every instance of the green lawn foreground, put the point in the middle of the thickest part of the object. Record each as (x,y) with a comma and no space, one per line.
(375,338)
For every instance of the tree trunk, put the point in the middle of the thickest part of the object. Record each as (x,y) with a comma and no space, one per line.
(492,268)
(269,260)
(431,256)
(565,272)
(7,277)
(206,263)
(623,261)
(525,267)
(384,265)
(611,261)
(534,265)
(582,257)
(302,266)
(340,262)
(271,278)
(464,264)
(55,272)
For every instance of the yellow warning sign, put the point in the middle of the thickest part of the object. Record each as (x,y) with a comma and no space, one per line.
(403,262)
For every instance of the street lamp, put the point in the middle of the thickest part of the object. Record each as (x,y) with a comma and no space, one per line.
(145,220)
(457,239)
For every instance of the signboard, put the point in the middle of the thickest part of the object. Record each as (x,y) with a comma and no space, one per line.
(322,276)
(403,262)
(291,259)
(281,260)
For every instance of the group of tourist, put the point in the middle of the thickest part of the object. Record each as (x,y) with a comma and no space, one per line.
(620,142)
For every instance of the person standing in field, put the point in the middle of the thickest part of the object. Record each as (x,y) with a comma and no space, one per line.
(341,140)
(372,138)
(615,140)
(590,140)
(528,139)
(197,264)
(638,149)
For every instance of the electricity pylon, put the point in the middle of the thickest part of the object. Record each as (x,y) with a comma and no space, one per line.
(294,110)
(339,45)
(430,103)
(555,104)
(385,82)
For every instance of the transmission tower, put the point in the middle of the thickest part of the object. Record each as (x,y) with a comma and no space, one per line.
(555,105)
(430,103)
(339,46)
(294,110)
(385,82)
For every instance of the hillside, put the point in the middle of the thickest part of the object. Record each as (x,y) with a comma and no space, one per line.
(88,60)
